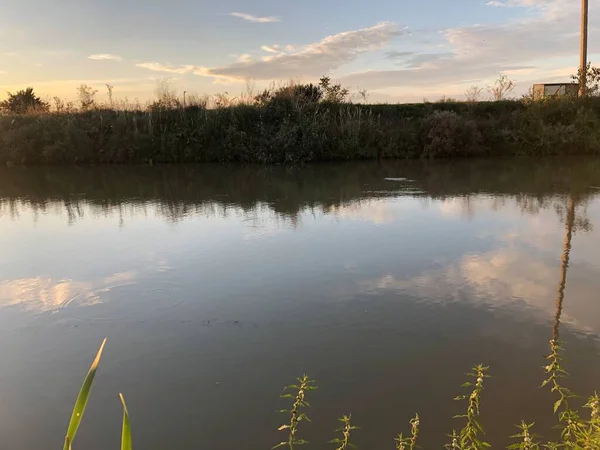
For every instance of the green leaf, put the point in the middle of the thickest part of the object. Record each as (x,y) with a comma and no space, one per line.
(557,404)
(281,444)
(82,400)
(126,432)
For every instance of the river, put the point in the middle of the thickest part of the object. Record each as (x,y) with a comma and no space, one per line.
(216,286)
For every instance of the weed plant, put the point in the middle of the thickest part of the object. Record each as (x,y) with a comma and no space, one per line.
(577,431)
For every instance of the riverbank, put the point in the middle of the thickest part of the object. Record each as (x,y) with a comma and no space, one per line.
(296,132)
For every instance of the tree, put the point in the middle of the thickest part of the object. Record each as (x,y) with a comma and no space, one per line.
(332,93)
(473,94)
(502,87)
(24,101)
(592,79)
(86,96)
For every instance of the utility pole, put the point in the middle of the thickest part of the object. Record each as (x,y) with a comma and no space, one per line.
(583,49)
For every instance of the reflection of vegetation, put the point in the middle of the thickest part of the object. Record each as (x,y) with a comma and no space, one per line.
(181,190)
(577,431)
(570,222)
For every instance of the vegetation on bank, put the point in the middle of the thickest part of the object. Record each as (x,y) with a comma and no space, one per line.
(578,430)
(292,124)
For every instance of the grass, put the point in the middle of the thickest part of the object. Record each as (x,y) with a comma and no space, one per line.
(578,431)
(290,131)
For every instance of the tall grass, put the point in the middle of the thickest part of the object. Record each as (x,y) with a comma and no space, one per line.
(288,131)
(578,431)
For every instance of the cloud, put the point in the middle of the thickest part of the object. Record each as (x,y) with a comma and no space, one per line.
(376,212)
(9,54)
(482,52)
(425,59)
(53,84)
(517,274)
(313,59)
(158,67)
(519,3)
(219,79)
(508,278)
(255,19)
(270,49)
(105,57)
(394,54)
(44,293)
(245,57)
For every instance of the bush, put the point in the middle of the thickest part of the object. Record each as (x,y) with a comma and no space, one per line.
(24,101)
(449,134)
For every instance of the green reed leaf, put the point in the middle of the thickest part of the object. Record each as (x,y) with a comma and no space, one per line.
(126,433)
(82,400)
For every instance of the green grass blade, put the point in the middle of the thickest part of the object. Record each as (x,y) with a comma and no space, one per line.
(126,434)
(82,400)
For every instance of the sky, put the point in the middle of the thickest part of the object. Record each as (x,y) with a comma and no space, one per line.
(396,50)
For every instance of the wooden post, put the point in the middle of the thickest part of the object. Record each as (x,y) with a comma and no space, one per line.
(583,49)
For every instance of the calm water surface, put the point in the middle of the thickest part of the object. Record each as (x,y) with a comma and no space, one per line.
(217,286)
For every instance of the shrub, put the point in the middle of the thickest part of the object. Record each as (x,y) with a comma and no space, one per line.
(87,96)
(449,134)
(24,101)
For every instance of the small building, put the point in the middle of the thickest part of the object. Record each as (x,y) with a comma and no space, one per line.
(541,91)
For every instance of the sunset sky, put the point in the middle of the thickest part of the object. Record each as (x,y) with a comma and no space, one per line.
(395,49)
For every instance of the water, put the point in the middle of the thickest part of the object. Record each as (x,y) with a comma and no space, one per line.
(216,286)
